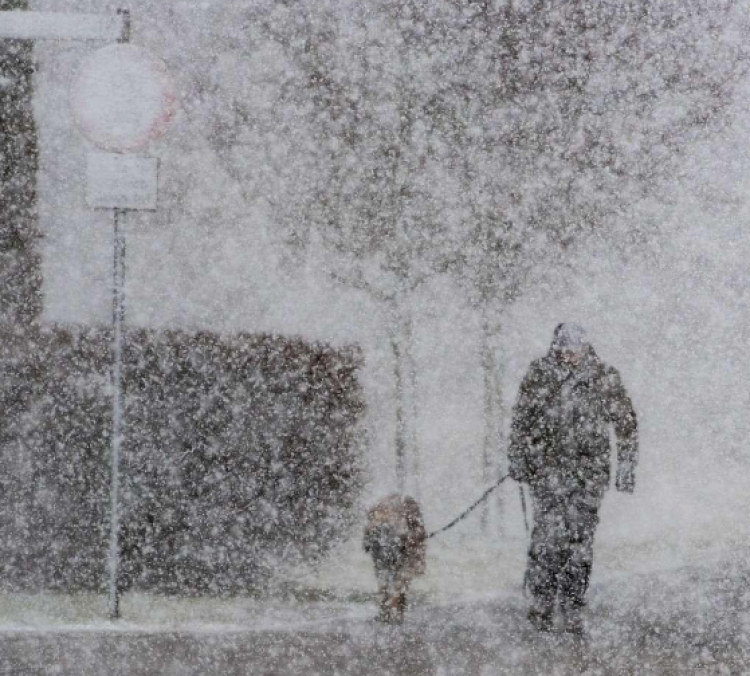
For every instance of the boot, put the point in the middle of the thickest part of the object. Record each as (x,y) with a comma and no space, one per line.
(400,608)
(572,619)
(541,616)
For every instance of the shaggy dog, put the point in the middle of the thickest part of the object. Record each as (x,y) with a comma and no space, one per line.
(396,539)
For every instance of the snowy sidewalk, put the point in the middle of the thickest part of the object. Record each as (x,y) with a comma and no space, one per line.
(689,620)
(343,588)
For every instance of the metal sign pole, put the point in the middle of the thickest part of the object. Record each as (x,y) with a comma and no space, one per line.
(115,181)
(125,34)
(118,318)
(21,24)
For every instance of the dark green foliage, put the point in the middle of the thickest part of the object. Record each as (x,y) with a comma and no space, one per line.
(20,264)
(257,461)
(241,454)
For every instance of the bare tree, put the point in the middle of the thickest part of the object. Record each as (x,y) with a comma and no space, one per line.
(561,116)
(479,139)
(367,198)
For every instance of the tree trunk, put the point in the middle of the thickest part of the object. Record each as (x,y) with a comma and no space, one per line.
(491,465)
(414,469)
(501,457)
(404,375)
(400,440)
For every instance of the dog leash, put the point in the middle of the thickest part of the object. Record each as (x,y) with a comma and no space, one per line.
(523,508)
(526,525)
(468,511)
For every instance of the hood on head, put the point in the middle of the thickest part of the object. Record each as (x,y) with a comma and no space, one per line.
(569,336)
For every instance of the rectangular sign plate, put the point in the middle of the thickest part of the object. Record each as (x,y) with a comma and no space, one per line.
(121,181)
(24,25)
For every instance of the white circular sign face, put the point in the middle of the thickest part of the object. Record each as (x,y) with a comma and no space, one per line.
(123,98)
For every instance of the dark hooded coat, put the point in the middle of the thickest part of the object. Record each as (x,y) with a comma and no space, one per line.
(560,434)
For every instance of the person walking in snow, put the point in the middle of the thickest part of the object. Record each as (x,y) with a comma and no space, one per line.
(560,446)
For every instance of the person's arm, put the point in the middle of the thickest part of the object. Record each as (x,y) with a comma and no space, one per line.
(623,418)
(520,446)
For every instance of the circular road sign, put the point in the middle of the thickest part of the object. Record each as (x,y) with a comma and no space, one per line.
(123,98)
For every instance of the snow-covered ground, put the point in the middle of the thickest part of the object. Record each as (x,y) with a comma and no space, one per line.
(467,571)
(694,620)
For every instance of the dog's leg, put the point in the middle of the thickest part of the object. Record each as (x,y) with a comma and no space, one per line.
(383,613)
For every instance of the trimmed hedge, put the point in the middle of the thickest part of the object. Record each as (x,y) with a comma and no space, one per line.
(20,261)
(241,454)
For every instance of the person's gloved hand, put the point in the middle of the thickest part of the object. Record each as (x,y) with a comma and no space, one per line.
(518,471)
(625,479)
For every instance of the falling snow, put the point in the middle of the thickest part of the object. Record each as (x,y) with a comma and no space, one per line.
(369,218)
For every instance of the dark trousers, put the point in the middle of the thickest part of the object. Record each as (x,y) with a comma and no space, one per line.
(562,546)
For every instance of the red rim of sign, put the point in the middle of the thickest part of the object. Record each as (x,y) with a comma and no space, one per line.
(86,116)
